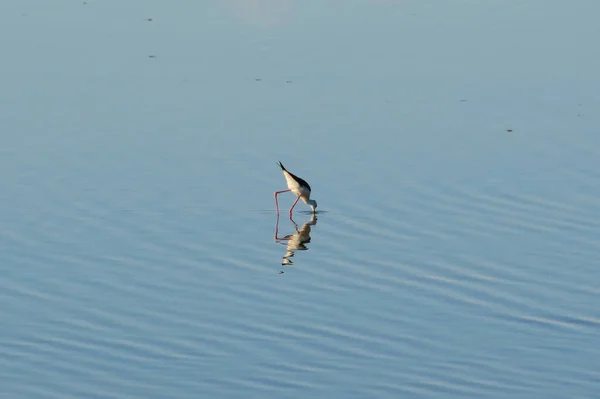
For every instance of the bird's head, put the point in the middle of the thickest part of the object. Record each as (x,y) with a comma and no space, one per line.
(313,205)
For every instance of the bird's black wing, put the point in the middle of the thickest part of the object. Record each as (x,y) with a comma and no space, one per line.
(301,181)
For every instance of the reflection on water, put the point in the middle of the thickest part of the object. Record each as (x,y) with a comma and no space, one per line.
(295,241)
(459,260)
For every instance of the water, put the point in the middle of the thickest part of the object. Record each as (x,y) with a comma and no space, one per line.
(452,147)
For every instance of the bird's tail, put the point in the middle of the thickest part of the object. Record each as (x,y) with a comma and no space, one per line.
(282,167)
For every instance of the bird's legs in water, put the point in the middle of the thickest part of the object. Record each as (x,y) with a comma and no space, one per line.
(276,203)
(292,208)
(295,225)
(277,229)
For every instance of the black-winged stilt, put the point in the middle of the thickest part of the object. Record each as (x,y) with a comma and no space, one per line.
(297,186)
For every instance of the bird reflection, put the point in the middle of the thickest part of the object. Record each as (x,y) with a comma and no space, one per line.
(296,241)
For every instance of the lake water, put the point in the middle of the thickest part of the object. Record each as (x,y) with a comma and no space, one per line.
(453,149)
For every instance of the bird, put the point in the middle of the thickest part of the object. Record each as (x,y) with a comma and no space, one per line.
(297,186)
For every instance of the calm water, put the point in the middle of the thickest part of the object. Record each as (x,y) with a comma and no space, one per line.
(452,146)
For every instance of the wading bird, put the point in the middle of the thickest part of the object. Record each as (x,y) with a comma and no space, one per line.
(297,186)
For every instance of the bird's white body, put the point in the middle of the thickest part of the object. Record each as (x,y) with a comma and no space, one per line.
(295,187)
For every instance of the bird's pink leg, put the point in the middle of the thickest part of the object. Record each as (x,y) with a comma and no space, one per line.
(276,203)
(294,205)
